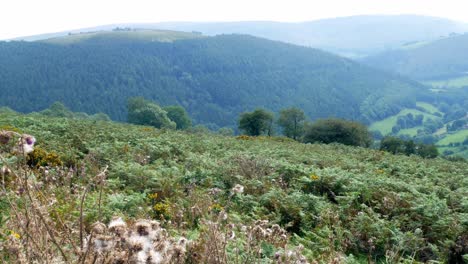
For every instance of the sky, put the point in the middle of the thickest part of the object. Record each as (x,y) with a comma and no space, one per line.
(31,17)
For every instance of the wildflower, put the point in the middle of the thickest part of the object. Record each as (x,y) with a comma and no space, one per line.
(223,215)
(231,235)
(153,196)
(215,191)
(182,241)
(143,227)
(277,255)
(116,222)
(15,235)
(216,207)
(142,257)
(5,170)
(118,226)
(26,144)
(238,189)
(314,177)
(103,243)
(99,228)
(155,225)
(5,137)
(154,257)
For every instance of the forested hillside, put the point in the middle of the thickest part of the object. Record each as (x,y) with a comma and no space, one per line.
(214,78)
(438,60)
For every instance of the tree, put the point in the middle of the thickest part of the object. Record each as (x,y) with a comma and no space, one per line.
(58,109)
(427,151)
(393,145)
(256,123)
(226,131)
(340,131)
(292,121)
(144,112)
(178,114)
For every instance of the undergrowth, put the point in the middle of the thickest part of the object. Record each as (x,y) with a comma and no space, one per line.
(103,192)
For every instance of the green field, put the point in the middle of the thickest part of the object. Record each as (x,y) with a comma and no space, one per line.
(410,131)
(450,83)
(429,108)
(459,136)
(145,35)
(385,126)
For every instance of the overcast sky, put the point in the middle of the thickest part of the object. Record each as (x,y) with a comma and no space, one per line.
(30,17)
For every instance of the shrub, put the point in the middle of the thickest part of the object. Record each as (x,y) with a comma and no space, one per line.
(340,131)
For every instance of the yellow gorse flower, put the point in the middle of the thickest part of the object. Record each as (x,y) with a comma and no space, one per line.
(215,207)
(15,235)
(314,177)
(153,196)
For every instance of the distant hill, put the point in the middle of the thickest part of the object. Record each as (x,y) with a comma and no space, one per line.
(121,34)
(355,36)
(214,78)
(444,59)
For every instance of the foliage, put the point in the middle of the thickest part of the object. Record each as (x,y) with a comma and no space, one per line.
(213,78)
(144,112)
(339,131)
(233,200)
(292,121)
(442,59)
(178,115)
(399,146)
(256,123)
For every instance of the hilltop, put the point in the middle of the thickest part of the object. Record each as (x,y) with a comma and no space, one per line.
(354,37)
(214,78)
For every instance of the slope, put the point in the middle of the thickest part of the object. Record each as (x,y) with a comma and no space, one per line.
(333,199)
(439,60)
(214,78)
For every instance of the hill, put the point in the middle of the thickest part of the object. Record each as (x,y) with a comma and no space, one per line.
(442,62)
(355,36)
(338,202)
(214,78)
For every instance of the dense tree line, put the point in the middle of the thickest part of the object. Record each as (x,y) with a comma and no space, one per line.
(408,147)
(213,78)
(293,124)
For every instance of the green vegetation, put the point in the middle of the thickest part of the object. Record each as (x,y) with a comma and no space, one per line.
(213,78)
(458,136)
(410,131)
(256,123)
(144,112)
(408,147)
(292,121)
(339,202)
(428,107)
(339,131)
(444,126)
(178,114)
(130,34)
(385,126)
(444,59)
(449,83)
